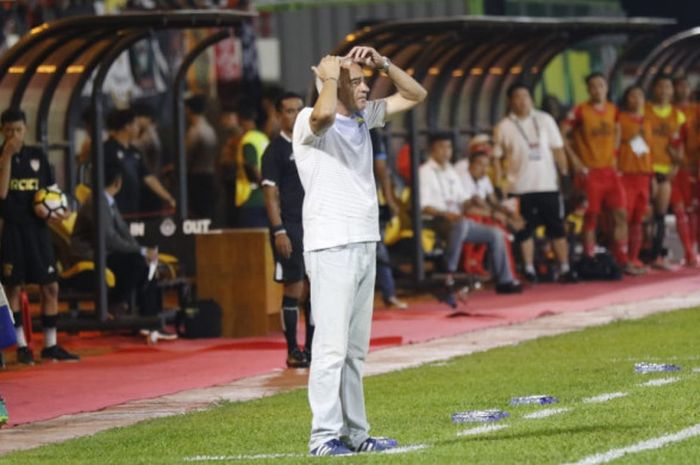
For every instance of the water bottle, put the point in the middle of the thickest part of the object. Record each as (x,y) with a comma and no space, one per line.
(644,367)
(479,416)
(538,400)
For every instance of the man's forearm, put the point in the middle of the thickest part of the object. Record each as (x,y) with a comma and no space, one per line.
(323,114)
(272,205)
(5,168)
(560,160)
(154,184)
(382,174)
(407,87)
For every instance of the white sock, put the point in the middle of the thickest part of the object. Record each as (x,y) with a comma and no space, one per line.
(564,267)
(530,268)
(49,337)
(21,341)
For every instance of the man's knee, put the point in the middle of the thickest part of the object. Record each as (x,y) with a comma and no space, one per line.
(49,292)
(620,215)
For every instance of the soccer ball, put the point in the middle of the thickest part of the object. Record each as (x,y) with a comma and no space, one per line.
(50,203)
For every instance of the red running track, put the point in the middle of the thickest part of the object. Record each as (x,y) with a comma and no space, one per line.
(118,369)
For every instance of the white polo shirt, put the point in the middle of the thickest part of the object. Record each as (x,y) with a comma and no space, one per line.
(481,188)
(529,141)
(440,187)
(336,171)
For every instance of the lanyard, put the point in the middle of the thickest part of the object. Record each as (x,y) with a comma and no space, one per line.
(521,130)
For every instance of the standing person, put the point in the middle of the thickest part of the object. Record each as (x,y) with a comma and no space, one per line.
(333,153)
(589,139)
(528,142)
(249,196)
(634,162)
(684,189)
(385,278)
(149,145)
(666,147)
(26,252)
(284,197)
(201,146)
(122,132)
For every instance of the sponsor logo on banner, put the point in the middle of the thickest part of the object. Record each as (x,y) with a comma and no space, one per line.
(168,227)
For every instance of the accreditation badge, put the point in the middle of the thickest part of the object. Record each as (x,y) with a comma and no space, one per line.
(639,146)
(534,152)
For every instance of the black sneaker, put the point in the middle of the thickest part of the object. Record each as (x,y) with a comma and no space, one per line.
(511,287)
(307,354)
(531,277)
(296,359)
(58,354)
(570,277)
(25,356)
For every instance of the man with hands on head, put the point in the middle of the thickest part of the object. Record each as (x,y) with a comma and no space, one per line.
(333,153)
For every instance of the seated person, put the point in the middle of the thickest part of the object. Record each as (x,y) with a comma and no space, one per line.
(442,197)
(125,257)
(485,207)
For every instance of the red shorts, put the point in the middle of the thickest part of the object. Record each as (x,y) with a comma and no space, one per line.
(637,190)
(684,189)
(603,190)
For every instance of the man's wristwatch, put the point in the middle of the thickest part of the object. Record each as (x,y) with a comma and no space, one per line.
(385,64)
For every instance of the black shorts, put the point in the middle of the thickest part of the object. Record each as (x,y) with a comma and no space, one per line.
(290,270)
(26,254)
(542,209)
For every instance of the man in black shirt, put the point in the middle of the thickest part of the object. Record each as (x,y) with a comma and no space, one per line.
(284,197)
(118,148)
(26,253)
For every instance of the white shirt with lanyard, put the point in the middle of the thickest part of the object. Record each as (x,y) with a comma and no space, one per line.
(529,141)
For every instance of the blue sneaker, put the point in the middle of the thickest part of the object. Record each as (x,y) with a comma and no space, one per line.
(332,447)
(377,445)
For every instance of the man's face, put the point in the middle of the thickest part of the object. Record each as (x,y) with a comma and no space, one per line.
(353,91)
(598,89)
(663,91)
(441,151)
(142,122)
(681,89)
(635,100)
(478,167)
(521,102)
(132,129)
(16,129)
(288,113)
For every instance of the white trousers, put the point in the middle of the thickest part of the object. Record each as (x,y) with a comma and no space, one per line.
(342,298)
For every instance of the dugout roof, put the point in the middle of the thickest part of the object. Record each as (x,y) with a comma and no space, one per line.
(466,63)
(46,71)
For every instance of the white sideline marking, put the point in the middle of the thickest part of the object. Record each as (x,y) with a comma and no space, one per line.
(481,430)
(603,397)
(696,370)
(404,449)
(649,444)
(548,412)
(228,458)
(660,381)
(225,458)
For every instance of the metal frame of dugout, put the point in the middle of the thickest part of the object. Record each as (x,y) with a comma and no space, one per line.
(466,64)
(46,71)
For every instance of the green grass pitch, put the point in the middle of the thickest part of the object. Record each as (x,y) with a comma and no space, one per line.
(414,406)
